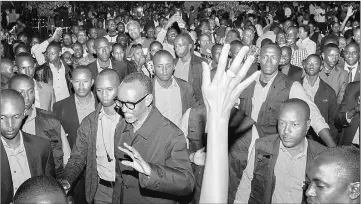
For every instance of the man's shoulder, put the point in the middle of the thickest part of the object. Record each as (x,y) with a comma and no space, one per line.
(328,88)
(37,141)
(44,87)
(64,102)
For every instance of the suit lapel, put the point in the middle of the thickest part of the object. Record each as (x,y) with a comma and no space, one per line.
(183,95)
(191,70)
(291,71)
(153,82)
(357,77)
(31,154)
(6,177)
(73,111)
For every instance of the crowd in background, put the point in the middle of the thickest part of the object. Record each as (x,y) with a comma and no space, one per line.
(145,102)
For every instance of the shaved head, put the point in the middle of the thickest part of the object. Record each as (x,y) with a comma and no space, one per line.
(108,74)
(100,40)
(298,105)
(12,96)
(81,70)
(18,79)
(24,56)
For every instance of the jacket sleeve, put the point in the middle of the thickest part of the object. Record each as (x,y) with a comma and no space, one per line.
(176,177)
(77,160)
(343,88)
(341,120)
(50,165)
(332,113)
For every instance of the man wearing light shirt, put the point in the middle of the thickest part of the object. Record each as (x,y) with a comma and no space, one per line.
(304,42)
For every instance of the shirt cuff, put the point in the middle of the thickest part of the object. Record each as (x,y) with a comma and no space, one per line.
(348,120)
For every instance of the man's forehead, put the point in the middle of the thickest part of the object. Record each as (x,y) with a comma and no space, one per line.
(22,84)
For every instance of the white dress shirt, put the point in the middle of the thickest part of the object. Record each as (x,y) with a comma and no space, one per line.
(311,90)
(354,69)
(101,69)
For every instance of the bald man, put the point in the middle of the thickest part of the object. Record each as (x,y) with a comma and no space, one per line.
(72,110)
(188,66)
(7,71)
(44,93)
(94,146)
(103,50)
(286,153)
(286,67)
(42,123)
(34,157)
(337,168)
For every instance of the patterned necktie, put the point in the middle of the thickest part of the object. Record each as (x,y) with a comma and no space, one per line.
(350,74)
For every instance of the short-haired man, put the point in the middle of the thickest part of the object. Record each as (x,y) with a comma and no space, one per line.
(334,76)
(338,170)
(286,67)
(352,65)
(320,93)
(44,93)
(188,66)
(161,171)
(7,71)
(102,48)
(22,155)
(42,123)
(134,30)
(284,156)
(304,42)
(40,189)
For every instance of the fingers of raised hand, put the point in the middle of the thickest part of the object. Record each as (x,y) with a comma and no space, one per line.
(206,75)
(222,63)
(236,64)
(127,151)
(244,84)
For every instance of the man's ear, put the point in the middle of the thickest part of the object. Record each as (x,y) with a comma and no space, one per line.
(92,82)
(354,190)
(149,100)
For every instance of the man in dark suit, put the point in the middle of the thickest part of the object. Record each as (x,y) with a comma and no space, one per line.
(321,94)
(103,49)
(188,66)
(72,110)
(286,67)
(22,155)
(349,115)
(351,63)
(172,96)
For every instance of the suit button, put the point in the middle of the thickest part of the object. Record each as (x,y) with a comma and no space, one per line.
(158,185)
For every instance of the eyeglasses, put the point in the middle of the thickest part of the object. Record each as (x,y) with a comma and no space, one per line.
(129,105)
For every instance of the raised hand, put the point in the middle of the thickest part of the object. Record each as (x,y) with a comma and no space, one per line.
(138,163)
(350,12)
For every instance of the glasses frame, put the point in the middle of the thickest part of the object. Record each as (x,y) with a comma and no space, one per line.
(129,105)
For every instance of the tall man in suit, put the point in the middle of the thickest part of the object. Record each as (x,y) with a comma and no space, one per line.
(44,93)
(349,115)
(71,112)
(22,155)
(320,93)
(94,146)
(352,64)
(286,67)
(42,123)
(188,66)
(102,48)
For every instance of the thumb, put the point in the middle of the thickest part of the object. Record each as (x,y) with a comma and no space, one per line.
(127,163)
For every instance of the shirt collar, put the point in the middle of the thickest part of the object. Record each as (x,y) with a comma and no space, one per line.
(32,115)
(300,155)
(53,67)
(110,64)
(19,149)
(174,84)
(347,66)
(103,114)
(91,100)
(316,82)
(257,80)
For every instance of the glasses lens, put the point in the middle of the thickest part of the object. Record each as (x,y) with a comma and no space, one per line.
(130,106)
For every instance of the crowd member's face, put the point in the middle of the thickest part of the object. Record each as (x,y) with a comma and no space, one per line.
(204,40)
(138,54)
(35,41)
(121,28)
(335,28)
(291,36)
(355,24)
(20,49)
(134,31)
(216,54)
(281,39)
(181,47)
(117,20)
(285,57)
(102,50)
(352,54)
(26,88)
(357,36)
(342,43)
(93,34)
(331,56)
(163,67)
(286,25)
(7,69)
(150,33)
(67,57)
(156,17)
(154,48)
(269,60)
(81,36)
(118,53)
(231,35)
(82,82)
(133,92)
(312,66)
(25,65)
(111,25)
(205,27)
(126,18)
(53,53)
(75,30)
(106,88)
(67,40)
(312,27)
(327,185)
(292,125)
(157,30)
(78,51)
(248,36)
(302,33)
(12,115)
(234,50)
(100,24)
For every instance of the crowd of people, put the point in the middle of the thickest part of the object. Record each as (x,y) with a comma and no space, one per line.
(158,103)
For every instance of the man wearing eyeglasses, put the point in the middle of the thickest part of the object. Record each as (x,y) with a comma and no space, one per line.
(152,159)
(94,146)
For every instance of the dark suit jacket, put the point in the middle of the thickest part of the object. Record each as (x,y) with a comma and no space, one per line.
(357,77)
(187,95)
(295,73)
(40,160)
(326,101)
(195,76)
(119,67)
(65,111)
(349,101)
